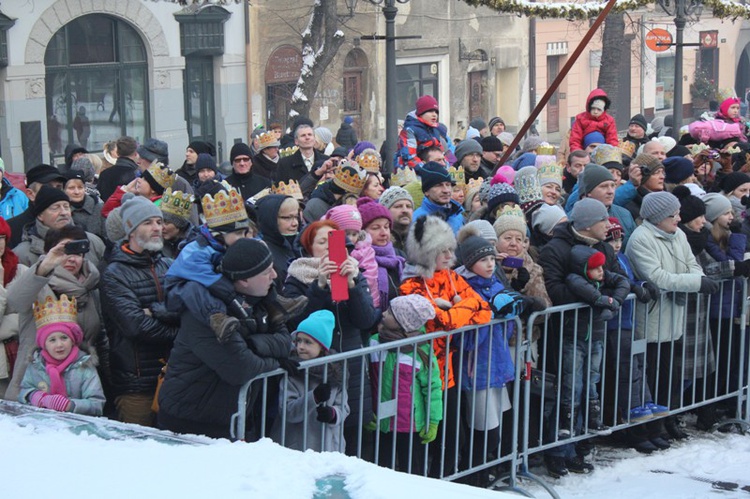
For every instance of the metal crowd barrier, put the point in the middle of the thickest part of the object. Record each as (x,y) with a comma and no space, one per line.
(693,366)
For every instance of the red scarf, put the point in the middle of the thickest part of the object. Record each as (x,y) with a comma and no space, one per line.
(10,265)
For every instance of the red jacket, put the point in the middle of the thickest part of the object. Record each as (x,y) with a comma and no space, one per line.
(585,123)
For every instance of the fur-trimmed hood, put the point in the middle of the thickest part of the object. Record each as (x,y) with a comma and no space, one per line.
(428,236)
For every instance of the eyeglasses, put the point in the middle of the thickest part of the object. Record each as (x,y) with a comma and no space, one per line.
(288,218)
(676,215)
(242,160)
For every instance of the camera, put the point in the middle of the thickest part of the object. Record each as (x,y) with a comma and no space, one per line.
(77,247)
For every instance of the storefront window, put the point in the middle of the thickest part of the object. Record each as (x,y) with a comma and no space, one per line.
(413,81)
(97,84)
(664,82)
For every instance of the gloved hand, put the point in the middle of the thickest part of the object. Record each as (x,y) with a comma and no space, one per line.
(289,365)
(745,200)
(507,304)
(742,269)
(653,290)
(736,226)
(607,302)
(521,280)
(322,393)
(429,433)
(641,293)
(708,285)
(371,426)
(326,414)
(58,403)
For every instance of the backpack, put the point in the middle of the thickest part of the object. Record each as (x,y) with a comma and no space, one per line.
(714,130)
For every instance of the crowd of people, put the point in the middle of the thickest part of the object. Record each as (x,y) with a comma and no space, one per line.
(151,294)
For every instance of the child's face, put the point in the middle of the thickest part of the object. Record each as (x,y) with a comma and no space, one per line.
(58,345)
(734,111)
(596,274)
(596,112)
(444,260)
(388,323)
(352,236)
(484,267)
(307,347)
(616,244)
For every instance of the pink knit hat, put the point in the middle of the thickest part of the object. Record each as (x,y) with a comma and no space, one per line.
(724,107)
(371,210)
(346,216)
(71,329)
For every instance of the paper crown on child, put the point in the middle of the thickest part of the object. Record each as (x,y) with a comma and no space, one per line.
(369,161)
(290,188)
(288,151)
(224,208)
(52,310)
(177,203)
(546,149)
(458,176)
(161,174)
(403,176)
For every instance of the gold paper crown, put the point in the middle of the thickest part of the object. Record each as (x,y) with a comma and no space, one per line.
(546,150)
(474,183)
(51,311)
(696,149)
(725,93)
(403,176)
(161,174)
(350,177)
(268,139)
(177,203)
(226,207)
(457,175)
(369,161)
(549,170)
(259,195)
(627,148)
(290,189)
(288,151)
(512,211)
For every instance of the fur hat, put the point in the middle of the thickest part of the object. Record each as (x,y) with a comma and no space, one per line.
(472,246)
(412,311)
(428,236)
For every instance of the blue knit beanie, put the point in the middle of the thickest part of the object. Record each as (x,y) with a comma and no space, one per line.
(319,325)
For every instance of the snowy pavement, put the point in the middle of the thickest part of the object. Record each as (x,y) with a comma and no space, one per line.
(44,458)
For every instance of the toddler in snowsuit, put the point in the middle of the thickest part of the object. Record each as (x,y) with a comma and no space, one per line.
(314,401)
(61,377)
(594,119)
(605,292)
(410,376)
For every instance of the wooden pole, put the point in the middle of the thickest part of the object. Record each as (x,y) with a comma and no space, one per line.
(555,84)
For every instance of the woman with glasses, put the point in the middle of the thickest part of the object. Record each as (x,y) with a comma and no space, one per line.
(279,224)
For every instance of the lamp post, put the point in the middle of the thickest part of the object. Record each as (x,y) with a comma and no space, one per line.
(391,120)
(682,10)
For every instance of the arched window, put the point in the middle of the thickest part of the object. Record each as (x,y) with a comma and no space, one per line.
(96,83)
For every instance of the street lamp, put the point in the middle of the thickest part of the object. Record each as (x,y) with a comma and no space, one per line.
(391,120)
(682,10)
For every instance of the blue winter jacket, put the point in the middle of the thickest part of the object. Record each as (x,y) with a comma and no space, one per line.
(453,213)
(487,360)
(626,311)
(13,202)
(724,303)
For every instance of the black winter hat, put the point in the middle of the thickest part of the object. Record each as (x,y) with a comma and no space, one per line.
(639,120)
(43,174)
(201,147)
(691,207)
(432,174)
(205,161)
(473,249)
(239,149)
(733,180)
(46,197)
(491,143)
(245,258)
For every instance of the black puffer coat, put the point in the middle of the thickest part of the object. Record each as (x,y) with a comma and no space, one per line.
(131,283)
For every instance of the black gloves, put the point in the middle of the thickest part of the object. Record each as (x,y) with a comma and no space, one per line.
(708,285)
(322,393)
(745,200)
(326,414)
(521,280)
(653,290)
(642,294)
(742,269)
(289,365)
(736,226)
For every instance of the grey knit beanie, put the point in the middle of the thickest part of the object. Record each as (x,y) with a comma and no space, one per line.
(657,206)
(547,217)
(394,194)
(592,176)
(485,229)
(466,147)
(135,211)
(589,211)
(716,205)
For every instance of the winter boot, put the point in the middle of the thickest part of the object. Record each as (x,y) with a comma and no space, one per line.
(672,425)
(660,443)
(565,428)
(578,465)
(556,466)
(707,417)
(595,419)
(639,414)
(656,409)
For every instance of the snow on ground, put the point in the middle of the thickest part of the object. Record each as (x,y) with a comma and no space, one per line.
(43,457)
(50,461)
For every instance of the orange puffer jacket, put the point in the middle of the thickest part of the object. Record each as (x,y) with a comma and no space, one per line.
(471,309)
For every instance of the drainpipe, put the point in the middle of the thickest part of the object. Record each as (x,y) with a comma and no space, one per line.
(532,64)
(250,126)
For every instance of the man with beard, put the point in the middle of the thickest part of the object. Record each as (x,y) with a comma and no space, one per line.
(51,210)
(401,205)
(139,328)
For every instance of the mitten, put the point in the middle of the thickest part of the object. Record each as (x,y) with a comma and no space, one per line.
(322,393)
(708,285)
(36,398)
(289,365)
(641,293)
(429,433)
(607,302)
(653,290)
(745,200)
(521,279)
(326,414)
(742,269)
(56,402)
(507,304)
(736,226)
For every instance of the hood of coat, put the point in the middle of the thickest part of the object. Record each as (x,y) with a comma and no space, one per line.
(579,259)
(268,211)
(598,93)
